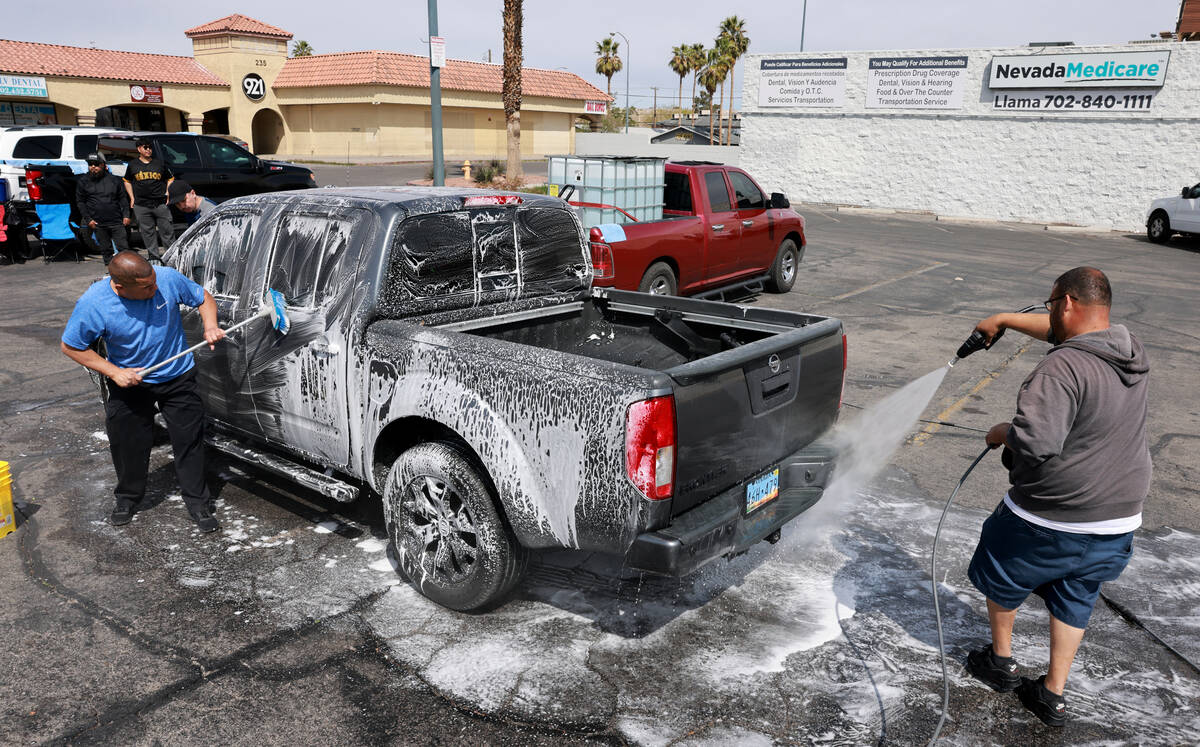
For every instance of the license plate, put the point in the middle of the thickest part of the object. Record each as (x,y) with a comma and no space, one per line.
(762,490)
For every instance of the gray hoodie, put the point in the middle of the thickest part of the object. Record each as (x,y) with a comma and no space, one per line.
(1079,436)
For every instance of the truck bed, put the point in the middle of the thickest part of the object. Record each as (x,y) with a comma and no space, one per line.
(751,385)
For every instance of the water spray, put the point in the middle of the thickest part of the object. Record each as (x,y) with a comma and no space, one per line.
(978,342)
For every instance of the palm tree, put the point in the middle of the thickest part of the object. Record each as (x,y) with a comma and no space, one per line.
(513,20)
(718,65)
(710,78)
(734,31)
(608,62)
(679,66)
(301,48)
(696,59)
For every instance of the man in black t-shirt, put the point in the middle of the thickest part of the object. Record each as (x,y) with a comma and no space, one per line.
(146,181)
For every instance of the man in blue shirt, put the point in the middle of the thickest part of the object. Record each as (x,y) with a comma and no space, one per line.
(136,311)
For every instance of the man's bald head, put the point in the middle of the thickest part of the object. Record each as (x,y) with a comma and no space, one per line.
(128,267)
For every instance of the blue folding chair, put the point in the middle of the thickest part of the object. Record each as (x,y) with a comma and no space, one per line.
(56,229)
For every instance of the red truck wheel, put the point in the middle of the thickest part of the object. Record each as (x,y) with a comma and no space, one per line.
(659,280)
(445,531)
(787,264)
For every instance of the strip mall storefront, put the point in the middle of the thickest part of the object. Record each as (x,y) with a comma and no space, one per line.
(240,81)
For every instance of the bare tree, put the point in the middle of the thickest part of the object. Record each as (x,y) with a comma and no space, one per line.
(514,18)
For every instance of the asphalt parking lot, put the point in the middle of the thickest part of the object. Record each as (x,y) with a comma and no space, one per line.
(290,626)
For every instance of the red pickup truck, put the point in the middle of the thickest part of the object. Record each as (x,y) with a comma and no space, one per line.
(720,230)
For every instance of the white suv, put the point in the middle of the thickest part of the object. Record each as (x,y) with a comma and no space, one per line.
(24,144)
(1174,215)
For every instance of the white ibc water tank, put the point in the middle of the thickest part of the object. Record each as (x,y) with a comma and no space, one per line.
(632,183)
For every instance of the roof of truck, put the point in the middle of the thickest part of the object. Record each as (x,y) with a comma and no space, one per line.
(413,199)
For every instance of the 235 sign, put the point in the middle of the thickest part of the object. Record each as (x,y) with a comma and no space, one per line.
(254,87)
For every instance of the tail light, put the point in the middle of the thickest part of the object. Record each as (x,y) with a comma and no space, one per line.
(33,185)
(602,256)
(844,359)
(650,446)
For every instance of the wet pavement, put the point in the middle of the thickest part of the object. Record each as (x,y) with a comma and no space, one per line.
(290,625)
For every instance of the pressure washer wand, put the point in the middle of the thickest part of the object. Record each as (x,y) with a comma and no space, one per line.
(977,341)
(273,307)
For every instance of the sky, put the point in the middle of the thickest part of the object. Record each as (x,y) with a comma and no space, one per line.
(563,34)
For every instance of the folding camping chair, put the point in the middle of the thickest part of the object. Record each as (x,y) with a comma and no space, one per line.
(56,231)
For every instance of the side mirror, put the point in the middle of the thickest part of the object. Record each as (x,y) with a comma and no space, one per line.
(778,201)
(1186,193)
(259,165)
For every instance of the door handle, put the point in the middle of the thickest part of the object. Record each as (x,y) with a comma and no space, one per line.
(718,226)
(747,223)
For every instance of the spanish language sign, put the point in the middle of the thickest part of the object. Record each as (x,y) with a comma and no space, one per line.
(1091,70)
(916,82)
(1074,100)
(810,82)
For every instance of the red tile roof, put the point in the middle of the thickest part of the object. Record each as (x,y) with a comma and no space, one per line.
(395,69)
(32,58)
(240,24)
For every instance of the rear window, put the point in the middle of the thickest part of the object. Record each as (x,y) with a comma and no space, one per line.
(117,150)
(718,193)
(85,145)
(678,194)
(38,146)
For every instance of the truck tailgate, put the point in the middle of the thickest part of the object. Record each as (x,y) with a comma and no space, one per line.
(741,411)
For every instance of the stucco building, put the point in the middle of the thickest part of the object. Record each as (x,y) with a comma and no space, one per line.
(241,81)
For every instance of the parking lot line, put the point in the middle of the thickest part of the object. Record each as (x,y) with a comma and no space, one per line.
(932,428)
(889,281)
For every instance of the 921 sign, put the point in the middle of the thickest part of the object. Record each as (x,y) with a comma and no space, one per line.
(254,87)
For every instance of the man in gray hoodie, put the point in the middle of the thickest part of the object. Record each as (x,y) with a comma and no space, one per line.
(1079,466)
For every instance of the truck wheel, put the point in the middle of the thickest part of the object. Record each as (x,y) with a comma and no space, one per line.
(787,264)
(1158,228)
(445,532)
(659,280)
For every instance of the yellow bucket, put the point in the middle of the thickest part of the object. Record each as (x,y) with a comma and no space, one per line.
(8,520)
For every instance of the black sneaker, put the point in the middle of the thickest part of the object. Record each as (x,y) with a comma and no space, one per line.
(1050,708)
(998,673)
(206,522)
(121,515)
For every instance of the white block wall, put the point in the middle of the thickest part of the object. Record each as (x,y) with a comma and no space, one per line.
(1078,168)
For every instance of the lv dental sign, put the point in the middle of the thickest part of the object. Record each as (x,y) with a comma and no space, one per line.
(1098,70)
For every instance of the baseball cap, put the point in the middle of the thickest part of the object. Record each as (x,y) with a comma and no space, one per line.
(177,191)
(95,158)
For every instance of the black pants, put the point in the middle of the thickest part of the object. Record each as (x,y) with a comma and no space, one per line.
(106,236)
(154,224)
(130,424)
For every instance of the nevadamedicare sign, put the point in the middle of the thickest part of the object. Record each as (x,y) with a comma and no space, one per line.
(1092,70)
(803,82)
(916,82)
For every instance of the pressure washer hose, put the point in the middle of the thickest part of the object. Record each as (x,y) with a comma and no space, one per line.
(937,610)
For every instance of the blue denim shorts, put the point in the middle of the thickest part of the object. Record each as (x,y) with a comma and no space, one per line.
(1015,558)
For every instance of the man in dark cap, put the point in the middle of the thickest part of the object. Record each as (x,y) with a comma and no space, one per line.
(146,181)
(183,198)
(103,206)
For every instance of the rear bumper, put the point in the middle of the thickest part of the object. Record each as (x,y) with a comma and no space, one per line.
(720,526)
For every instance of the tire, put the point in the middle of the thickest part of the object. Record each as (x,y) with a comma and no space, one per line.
(659,280)
(445,532)
(1158,228)
(785,267)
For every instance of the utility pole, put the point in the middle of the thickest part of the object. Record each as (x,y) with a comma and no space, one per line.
(435,102)
(803,19)
(654,116)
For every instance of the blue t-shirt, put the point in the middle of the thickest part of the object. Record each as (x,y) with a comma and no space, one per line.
(138,334)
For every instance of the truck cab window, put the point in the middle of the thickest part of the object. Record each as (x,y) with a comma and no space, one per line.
(307,247)
(678,193)
(748,196)
(551,253)
(193,252)
(180,152)
(718,193)
(226,154)
(229,254)
(432,256)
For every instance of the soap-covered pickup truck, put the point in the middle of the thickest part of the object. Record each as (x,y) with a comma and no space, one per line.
(447,354)
(720,231)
